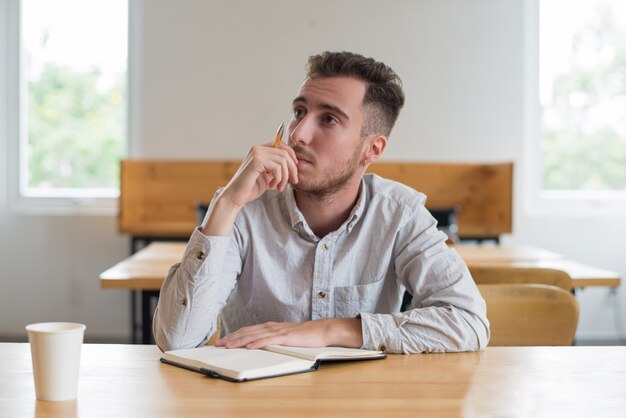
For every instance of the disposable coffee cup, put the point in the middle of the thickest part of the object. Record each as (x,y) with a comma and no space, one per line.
(55,350)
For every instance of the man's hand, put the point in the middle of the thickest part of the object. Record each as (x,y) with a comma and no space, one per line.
(265,167)
(344,332)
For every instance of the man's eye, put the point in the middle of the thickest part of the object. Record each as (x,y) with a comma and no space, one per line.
(298,113)
(329,119)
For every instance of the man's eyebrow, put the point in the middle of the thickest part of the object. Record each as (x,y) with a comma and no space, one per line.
(301,99)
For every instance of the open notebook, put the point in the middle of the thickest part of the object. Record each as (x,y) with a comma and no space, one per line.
(240,364)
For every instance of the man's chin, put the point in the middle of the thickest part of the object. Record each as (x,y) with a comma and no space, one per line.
(307,187)
(307,179)
(319,191)
(303,187)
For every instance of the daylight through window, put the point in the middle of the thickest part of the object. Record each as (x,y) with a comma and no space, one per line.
(583,94)
(73,77)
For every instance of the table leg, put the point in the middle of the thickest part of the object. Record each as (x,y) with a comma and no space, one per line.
(147,296)
(133,317)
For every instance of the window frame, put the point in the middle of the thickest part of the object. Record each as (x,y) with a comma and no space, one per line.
(548,203)
(66,201)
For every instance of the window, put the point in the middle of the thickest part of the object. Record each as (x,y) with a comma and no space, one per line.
(73,102)
(582,93)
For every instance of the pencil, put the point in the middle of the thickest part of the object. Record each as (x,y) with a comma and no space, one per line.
(279,136)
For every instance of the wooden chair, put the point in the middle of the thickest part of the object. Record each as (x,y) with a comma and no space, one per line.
(530,314)
(519,275)
(216,334)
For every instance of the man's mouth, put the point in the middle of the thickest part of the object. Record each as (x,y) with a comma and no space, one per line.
(303,156)
(302,159)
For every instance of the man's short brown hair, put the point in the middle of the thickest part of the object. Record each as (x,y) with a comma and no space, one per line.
(383,97)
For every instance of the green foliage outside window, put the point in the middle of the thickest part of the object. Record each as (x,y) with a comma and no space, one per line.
(582,147)
(76,130)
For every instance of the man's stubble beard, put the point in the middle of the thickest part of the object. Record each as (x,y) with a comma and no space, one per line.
(330,186)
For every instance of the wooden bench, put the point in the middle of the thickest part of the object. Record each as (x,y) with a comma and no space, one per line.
(159,198)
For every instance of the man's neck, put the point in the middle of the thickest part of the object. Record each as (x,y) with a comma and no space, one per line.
(325,214)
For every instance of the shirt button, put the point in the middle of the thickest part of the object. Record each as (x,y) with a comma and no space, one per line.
(183,302)
(382,348)
(200,255)
(325,247)
(321,295)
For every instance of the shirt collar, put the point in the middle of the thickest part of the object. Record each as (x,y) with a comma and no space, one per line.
(296,217)
(359,207)
(298,222)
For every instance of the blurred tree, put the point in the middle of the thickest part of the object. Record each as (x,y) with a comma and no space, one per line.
(584,129)
(76,130)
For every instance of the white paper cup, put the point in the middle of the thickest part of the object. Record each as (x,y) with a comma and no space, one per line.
(55,350)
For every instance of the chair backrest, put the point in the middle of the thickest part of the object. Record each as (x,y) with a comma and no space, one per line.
(216,333)
(530,314)
(447,222)
(522,275)
(483,192)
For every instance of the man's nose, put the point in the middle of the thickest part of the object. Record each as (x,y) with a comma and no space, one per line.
(301,131)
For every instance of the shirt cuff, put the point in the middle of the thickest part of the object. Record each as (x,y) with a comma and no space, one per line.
(208,251)
(380,332)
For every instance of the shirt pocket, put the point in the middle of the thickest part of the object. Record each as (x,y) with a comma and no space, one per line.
(352,300)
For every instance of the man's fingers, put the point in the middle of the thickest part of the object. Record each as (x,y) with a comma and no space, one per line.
(279,163)
(244,340)
(250,330)
(292,163)
(264,342)
(286,174)
(286,156)
(248,335)
(268,337)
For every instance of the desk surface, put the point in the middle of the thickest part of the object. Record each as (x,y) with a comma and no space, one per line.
(128,381)
(147,268)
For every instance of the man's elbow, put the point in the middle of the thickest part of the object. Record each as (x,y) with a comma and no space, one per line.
(167,344)
(172,341)
(163,344)
(483,340)
(481,330)
(163,340)
(473,332)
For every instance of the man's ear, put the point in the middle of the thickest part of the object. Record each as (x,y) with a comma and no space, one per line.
(375,145)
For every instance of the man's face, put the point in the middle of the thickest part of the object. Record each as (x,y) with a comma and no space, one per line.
(325,133)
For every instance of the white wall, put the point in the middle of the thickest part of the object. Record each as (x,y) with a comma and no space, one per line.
(220,75)
(215,77)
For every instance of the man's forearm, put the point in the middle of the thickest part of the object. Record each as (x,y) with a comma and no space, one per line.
(221,218)
(345,332)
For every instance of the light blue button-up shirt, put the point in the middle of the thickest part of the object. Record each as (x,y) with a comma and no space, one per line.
(274,268)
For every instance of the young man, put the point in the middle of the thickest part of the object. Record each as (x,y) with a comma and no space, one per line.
(301,248)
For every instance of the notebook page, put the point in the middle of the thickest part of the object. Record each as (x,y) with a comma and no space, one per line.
(238,363)
(321,353)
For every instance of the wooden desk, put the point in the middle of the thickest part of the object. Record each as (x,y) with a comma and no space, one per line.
(128,381)
(147,269)
(582,275)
